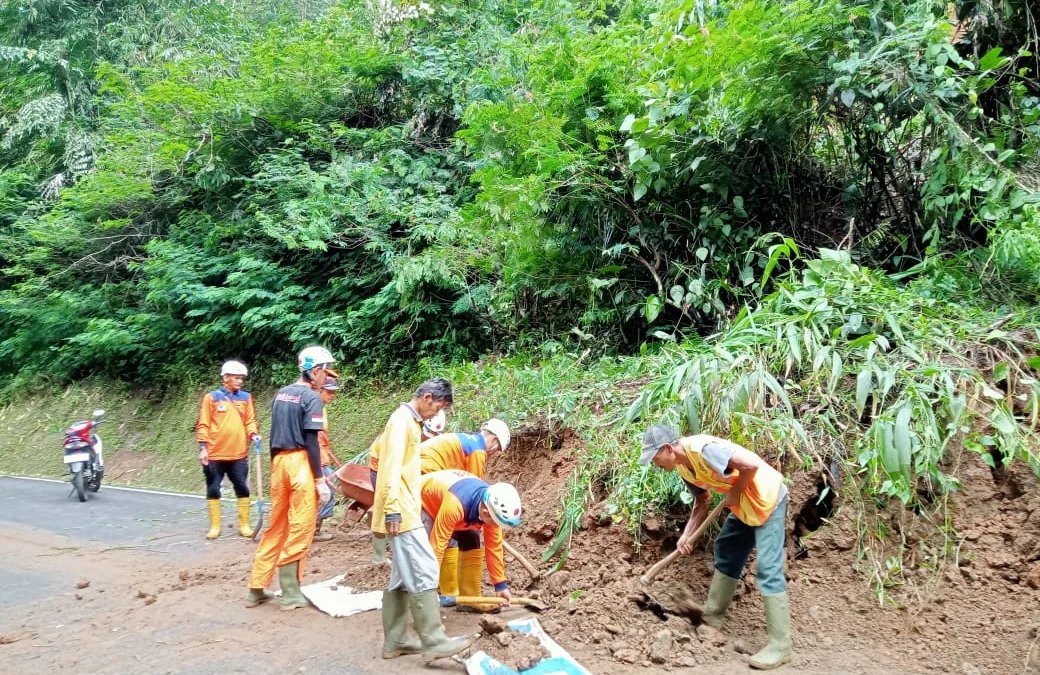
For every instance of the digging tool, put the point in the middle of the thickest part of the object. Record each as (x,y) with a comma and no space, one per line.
(259,491)
(479,600)
(531,569)
(670,558)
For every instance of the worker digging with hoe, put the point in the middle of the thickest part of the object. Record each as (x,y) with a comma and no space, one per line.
(226,424)
(431,428)
(466,452)
(456,504)
(757,499)
(297,484)
(327,392)
(397,512)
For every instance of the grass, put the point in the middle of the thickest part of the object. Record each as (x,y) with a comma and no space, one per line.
(150,442)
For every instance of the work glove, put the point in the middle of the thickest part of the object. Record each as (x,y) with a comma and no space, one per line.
(324,493)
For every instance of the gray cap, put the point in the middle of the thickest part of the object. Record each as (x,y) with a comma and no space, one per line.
(654,439)
(331,384)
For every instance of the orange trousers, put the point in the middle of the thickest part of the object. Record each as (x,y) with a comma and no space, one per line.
(294,508)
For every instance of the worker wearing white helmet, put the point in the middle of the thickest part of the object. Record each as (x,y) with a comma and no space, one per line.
(297,483)
(434,426)
(462,566)
(226,424)
(458,505)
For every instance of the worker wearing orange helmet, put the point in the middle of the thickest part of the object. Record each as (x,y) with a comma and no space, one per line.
(463,566)
(457,504)
(297,484)
(226,424)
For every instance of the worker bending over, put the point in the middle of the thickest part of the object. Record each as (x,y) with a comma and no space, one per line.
(757,499)
(466,452)
(460,505)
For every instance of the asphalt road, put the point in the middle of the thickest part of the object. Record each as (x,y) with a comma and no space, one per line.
(126,542)
(113,516)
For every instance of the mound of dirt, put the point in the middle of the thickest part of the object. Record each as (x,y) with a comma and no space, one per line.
(517,651)
(981,600)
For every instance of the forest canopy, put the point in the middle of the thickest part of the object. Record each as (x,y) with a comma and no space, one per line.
(192,180)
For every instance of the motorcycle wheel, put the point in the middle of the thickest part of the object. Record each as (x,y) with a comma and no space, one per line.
(77,482)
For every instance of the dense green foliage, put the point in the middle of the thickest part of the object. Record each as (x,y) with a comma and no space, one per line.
(182,182)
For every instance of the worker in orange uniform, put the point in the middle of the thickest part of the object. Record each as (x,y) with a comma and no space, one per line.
(297,484)
(465,452)
(226,424)
(457,504)
(757,499)
(327,392)
(397,512)
(431,428)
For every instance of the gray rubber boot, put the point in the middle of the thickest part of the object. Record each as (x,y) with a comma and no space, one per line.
(379,550)
(426,612)
(292,596)
(257,596)
(778,622)
(720,594)
(396,640)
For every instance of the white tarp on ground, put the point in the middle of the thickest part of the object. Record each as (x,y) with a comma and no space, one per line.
(558,663)
(337,601)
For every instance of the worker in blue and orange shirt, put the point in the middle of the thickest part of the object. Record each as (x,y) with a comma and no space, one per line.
(466,452)
(458,505)
(756,497)
(226,425)
(298,487)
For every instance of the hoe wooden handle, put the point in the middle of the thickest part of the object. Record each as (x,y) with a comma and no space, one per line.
(531,569)
(670,558)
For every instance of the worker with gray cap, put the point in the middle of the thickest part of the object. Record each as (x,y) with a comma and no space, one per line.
(756,496)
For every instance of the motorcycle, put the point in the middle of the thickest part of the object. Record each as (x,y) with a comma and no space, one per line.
(84,455)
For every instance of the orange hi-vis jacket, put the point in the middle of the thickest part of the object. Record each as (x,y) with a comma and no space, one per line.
(759,498)
(465,452)
(226,421)
(452,499)
(324,444)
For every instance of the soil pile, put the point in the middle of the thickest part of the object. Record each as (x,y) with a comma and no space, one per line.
(517,651)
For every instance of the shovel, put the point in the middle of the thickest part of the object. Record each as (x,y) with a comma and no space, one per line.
(483,600)
(649,575)
(259,492)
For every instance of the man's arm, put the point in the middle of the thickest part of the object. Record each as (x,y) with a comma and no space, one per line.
(202,428)
(252,430)
(496,564)
(699,512)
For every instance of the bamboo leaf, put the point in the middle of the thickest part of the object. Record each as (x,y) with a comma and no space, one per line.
(864,381)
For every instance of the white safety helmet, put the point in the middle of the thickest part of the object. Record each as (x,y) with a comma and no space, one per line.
(503,501)
(435,425)
(234,368)
(312,357)
(500,430)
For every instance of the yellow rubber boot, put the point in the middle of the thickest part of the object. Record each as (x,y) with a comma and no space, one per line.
(243,517)
(214,518)
(471,571)
(449,582)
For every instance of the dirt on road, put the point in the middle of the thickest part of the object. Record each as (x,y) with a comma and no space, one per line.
(968,603)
